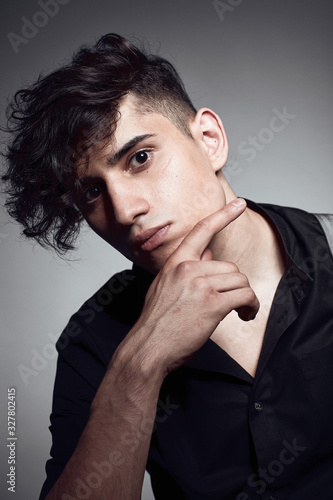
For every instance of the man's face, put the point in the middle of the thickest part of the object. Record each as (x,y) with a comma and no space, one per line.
(148,187)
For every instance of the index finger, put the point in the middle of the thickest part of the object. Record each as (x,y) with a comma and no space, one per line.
(200,236)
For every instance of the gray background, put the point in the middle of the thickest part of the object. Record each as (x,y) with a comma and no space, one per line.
(262,55)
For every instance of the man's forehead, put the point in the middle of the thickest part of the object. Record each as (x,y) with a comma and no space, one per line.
(133,126)
(135,119)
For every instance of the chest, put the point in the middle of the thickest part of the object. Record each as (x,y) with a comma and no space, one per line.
(243,340)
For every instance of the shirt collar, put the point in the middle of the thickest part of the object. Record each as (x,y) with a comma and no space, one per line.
(294,243)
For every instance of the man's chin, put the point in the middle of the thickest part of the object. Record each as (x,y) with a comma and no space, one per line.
(154,261)
(153,266)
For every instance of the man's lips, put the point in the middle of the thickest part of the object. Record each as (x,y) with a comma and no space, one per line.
(151,238)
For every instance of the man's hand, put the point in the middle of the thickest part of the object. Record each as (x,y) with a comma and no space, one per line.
(192,293)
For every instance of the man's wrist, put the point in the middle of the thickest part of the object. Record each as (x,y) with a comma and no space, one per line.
(133,378)
(136,358)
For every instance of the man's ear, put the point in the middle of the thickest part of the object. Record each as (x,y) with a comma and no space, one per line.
(207,127)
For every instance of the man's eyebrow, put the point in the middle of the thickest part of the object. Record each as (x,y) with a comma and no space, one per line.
(117,156)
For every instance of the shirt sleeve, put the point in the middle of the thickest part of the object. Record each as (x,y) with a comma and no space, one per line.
(84,351)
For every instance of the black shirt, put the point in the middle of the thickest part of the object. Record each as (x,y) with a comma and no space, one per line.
(219,433)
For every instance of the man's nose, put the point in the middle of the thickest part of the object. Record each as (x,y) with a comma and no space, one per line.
(128,202)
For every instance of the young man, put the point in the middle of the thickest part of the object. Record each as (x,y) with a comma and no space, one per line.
(210,361)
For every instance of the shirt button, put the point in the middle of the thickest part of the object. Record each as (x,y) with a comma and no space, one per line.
(258,406)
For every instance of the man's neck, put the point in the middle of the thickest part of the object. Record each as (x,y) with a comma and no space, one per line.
(253,244)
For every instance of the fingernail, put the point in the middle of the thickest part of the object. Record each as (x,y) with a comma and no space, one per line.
(239,202)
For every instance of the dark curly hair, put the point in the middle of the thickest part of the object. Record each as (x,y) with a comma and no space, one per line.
(54,122)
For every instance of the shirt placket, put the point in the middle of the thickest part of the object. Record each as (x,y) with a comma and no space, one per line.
(270,445)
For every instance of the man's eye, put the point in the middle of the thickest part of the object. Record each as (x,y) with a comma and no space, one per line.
(92,193)
(139,159)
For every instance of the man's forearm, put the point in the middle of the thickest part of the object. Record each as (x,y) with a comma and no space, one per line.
(112,451)
(187,300)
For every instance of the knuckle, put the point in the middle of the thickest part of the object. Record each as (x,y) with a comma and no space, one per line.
(185,267)
(249,294)
(231,267)
(202,225)
(210,293)
(201,284)
(243,280)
